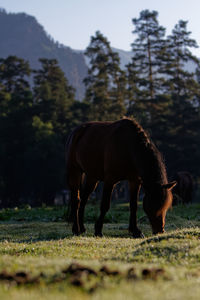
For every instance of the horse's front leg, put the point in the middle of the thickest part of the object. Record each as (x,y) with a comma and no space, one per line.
(134,195)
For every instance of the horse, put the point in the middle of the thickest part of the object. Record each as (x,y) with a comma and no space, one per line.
(111,152)
(184,187)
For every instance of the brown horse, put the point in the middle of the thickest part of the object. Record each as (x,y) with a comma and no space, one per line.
(111,152)
(184,187)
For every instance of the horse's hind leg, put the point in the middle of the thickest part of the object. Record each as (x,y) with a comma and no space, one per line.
(134,194)
(74,184)
(105,205)
(88,187)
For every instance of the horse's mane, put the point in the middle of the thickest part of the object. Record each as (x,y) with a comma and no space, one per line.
(152,158)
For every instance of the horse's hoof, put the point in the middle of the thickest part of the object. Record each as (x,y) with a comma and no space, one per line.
(98,234)
(82,230)
(76,231)
(130,230)
(138,234)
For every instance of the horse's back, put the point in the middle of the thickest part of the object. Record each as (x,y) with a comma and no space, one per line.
(84,146)
(99,148)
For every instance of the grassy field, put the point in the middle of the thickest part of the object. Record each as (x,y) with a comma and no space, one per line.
(40,259)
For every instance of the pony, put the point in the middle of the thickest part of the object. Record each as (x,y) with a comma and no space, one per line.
(111,152)
(184,187)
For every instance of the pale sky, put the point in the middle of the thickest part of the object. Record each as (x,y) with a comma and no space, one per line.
(73,22)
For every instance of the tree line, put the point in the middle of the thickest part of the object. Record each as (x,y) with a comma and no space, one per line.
(38,107)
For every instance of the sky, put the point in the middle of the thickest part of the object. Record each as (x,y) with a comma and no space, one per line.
(73,22)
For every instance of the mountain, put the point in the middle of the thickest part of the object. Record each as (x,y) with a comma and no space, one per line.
(23,36)
(125,56)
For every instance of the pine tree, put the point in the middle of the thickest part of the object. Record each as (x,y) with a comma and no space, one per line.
(162,94)
(54,96)
(179,81)
(15,127)
(184,91)
(147,53)
(53,119)
(144,78)
(14,73)
(105,83)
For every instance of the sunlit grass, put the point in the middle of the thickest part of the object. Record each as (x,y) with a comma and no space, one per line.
(38,241)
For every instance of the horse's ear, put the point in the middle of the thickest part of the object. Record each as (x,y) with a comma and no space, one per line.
(170,185)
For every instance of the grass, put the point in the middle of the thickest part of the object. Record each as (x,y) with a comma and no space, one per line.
(39,257)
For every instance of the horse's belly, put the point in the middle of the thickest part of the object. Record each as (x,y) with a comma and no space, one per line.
(91,164)
(105,161)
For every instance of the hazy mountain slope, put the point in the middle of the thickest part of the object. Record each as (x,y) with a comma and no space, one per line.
(125,56)
(23,36)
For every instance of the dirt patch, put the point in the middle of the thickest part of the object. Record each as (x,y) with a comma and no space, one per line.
(18,278)
(75,268)
(82,276)
(106,271)
(153,273)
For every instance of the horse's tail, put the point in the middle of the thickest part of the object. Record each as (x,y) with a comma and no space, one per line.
(68,145)
(72,139)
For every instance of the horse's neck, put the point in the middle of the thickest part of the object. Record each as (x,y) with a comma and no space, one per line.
(153,169)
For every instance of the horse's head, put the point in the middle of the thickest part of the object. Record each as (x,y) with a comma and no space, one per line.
(156,202)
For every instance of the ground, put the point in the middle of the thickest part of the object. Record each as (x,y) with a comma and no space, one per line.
(40,259)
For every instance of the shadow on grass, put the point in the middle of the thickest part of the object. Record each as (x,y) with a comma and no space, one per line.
(27,232)
(47,223)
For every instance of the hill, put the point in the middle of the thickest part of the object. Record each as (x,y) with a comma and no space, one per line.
(23,36)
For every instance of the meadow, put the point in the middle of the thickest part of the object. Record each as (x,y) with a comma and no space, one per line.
(41,259)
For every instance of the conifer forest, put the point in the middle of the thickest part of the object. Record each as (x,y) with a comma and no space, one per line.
(38,108)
